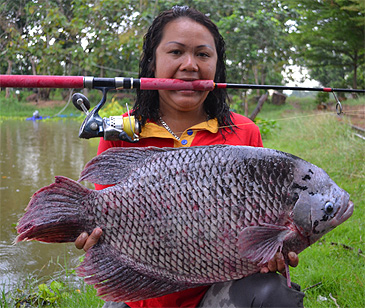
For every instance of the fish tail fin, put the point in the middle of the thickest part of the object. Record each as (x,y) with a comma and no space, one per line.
(55,214)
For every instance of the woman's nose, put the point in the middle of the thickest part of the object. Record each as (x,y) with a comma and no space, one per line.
(189,63)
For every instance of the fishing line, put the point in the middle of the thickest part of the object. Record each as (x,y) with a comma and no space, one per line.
(273,120)
(355,112)
(69,100)
(119,83)
(280,119)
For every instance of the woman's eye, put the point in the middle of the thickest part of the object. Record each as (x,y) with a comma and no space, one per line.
(175,52)
(203,54)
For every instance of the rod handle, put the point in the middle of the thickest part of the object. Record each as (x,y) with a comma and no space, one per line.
(41,81)
(176,84)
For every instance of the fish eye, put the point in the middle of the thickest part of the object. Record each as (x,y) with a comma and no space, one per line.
(329,208)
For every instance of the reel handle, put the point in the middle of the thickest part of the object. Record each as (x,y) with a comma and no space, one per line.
(81,102)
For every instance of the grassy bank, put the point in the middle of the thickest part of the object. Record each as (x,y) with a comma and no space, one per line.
(63,289)
(332,271)
(20,108)
(14,106)
(334,268)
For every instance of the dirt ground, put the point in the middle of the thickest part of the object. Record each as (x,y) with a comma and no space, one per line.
(45,104)
(356,114)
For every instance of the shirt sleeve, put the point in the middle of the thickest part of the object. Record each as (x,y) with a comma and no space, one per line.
(246,132)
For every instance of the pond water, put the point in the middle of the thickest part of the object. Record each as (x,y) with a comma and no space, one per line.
(31,155)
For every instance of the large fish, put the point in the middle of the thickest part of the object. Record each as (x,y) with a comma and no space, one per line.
(180,218)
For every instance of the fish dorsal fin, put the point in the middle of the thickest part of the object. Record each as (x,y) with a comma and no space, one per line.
(117,278)
(260,243)
(116,164)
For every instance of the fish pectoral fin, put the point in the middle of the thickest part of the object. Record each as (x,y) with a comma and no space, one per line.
(120,279)
(116,164)
(260,243)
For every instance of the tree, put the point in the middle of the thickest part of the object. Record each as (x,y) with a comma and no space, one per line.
(69,37)
(13,27)
(328,36)
(255,34)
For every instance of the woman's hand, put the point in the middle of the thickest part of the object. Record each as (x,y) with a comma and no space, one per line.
(86,241)
(277,264)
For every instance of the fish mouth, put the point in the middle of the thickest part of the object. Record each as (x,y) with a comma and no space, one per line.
(349,210)
(346,212)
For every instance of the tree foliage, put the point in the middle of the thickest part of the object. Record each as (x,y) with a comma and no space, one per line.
(328,36)
(104,37)
(255,33)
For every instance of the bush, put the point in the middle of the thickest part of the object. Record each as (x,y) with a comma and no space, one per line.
(322,97)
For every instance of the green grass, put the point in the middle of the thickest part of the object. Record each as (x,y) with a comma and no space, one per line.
(15,109)
(55,293)
(63,289)
(337,262)
(332,269)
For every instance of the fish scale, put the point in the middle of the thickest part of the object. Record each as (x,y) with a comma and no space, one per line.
(189,188)
(180,218)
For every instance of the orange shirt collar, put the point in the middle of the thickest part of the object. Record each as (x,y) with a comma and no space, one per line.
(152,129)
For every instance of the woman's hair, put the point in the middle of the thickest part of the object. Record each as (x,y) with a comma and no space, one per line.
(147,103)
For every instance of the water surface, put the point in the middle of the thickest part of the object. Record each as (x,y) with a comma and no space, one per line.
(31,155)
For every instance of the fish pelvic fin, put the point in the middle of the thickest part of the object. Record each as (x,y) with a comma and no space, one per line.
(55,213)
(118,278)
(259,244)
(116,164)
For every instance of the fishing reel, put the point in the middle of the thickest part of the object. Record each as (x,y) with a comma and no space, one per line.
(113,128)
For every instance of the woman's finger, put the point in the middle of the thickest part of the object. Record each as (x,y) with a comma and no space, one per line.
(92,239)
(81,240)
(280,262)
(293,259)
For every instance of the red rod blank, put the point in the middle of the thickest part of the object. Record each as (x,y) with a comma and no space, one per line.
(39,81)
(176,84)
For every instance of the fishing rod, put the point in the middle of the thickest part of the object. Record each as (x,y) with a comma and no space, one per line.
(127,128)
(121,83)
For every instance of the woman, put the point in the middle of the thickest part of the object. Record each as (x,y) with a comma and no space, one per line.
(183,43)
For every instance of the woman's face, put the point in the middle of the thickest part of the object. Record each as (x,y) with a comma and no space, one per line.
(187,52)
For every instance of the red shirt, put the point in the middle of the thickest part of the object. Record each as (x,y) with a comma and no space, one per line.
(206,133)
